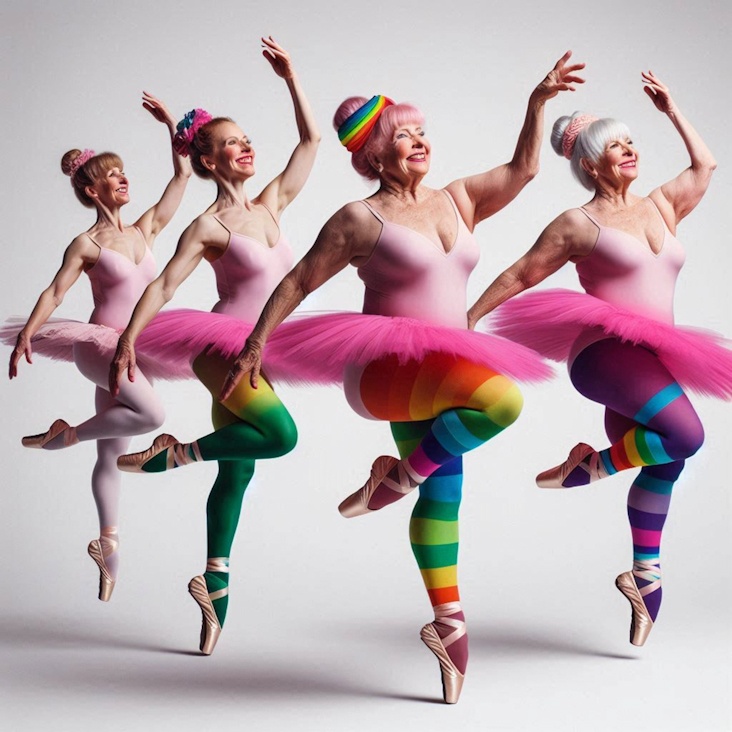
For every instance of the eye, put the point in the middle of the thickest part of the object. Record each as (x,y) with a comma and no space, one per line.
(400,135)
(421,134)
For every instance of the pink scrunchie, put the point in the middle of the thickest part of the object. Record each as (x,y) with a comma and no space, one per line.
(80,160)
(573,129)
(187,128)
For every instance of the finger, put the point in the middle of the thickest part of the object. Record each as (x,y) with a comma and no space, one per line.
(575,67)
(650,92)
(229,385)
(131,371)
(254,376)
(563,60)
(113,381)
(29,355)
(576,79)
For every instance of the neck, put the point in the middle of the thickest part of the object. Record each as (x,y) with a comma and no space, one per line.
(617,197)
(232,194)
(109,218)
(408,191)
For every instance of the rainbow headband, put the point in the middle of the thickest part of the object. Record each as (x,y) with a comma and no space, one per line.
(356,128)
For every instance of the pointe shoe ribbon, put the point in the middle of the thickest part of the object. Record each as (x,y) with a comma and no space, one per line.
(357,504)
(555,477)
(210,626)
(177,454)
(98,549)
(452,679)
(58,427)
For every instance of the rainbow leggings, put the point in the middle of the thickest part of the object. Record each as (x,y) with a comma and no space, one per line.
(652,426)
(440,408)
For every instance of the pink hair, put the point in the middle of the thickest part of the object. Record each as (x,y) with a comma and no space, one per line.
(394,116)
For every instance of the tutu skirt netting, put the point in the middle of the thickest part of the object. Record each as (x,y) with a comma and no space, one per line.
(317,348)
(550,321)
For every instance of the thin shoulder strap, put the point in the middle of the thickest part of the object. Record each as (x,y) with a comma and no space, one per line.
(93,240)
(454,205)
(658,211)
(590,217)
(270,212)
(373,211)
(142,236)
(216,218)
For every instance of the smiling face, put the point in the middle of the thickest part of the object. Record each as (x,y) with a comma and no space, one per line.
(111,189)
(407,156)
(232,157)
(617,166)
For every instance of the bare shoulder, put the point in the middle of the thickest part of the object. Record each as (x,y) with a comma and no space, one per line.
(82,247)
(208,230)
(575,231)
(665,208)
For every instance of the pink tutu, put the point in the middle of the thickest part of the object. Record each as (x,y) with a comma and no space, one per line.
(551,320)
(317,348)
(174,338)
(55,339)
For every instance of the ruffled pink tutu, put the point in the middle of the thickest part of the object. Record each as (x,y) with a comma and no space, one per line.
(317,348)
(55,339)
(551,320)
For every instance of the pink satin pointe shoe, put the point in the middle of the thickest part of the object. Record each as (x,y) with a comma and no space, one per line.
(210,626)
(357,504)
(555,477)
(641,623)
(178,455)
(58,427)
(99,549)
(452,679)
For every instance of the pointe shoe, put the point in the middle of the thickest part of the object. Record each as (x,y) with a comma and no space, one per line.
(641,623)
(452,679)
(555,477)
(59,426)
(177,455)
(357,504)
(210,626)
(106,582)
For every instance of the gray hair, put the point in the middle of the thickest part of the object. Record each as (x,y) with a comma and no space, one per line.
(590,143)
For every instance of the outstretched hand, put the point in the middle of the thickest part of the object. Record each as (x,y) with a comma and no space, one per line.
(22,348)
(248,361)
(158,109)
(658,92)
(278,58)
(124,360)
(560,78)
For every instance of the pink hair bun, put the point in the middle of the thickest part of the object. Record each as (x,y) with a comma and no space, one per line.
(573,129)
(84,157)
(187,128)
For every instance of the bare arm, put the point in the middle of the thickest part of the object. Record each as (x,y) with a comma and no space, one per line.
(480,196)
(347,236)
(155,219)
(568,236)
(79,253)
(680,196)
(188,254)
(284,188)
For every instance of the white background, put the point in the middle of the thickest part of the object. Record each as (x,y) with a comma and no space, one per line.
(324,613)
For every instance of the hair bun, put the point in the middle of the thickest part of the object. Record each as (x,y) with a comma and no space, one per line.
(558,130)
(66,162)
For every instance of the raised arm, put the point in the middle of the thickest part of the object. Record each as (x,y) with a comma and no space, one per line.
(680,196)
(155,219)
(284,188)
(480,196)
(188,254)
(79,253)
(347,236)
(568,237)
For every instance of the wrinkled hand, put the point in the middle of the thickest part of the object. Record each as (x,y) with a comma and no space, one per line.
(658,92)
(560,78)
(248,361)
(124,360)
(278,58)
(158,110)
(22,348)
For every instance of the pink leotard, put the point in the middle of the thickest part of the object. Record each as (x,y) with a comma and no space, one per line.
(408,275)
(117,284)
(624,271)
(248,272)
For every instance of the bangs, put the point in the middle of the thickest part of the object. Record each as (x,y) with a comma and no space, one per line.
(599,133)
(401,115)
(101,164)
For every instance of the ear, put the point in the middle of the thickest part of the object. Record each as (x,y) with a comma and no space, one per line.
(589,167)
(374,161)
(206,162)
(89,190)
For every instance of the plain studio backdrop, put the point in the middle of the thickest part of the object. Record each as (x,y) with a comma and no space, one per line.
(324,614)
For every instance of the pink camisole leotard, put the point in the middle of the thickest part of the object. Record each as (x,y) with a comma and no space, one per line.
(409,275)
(625,272)
(117,284)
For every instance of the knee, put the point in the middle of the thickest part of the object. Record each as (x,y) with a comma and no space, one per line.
(689,440)
(507,411)
(153,416)
(288,436)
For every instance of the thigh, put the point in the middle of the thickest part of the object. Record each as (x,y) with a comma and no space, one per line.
(94,365)
(244,402)
(422,390)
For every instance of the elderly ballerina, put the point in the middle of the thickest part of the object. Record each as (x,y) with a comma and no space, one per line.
(408,358)
(242,240)
(619,339)
(119,263)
